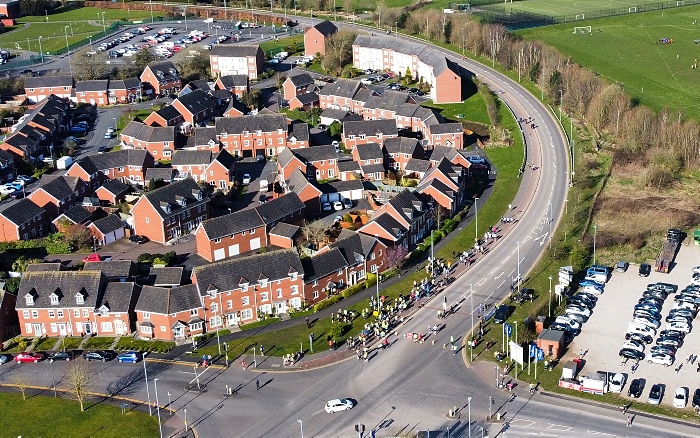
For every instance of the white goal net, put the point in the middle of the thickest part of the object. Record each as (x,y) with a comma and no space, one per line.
(582,29)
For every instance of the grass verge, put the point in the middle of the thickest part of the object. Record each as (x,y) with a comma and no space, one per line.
(54,417)
(99,343)
(128,343)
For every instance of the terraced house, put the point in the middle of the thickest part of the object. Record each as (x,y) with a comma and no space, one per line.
(22,219)
(236,59)
(40,87)
(163,77)
(124,91)
(159,141)
(169,313)
(93,92)
(129,166)
(261,134)
(58,194)
(241,290)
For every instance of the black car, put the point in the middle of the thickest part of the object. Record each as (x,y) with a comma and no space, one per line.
(659,294)
(669,341)
(645,339)
(103,355)
(580,302)
(61,355)
(628,353)
(636,388)
(696,398)
(501,314)
(138,239)
(101,149)
(26,72)
(656,301)
(662,349)
(672,333)
(644,270)
(19,194)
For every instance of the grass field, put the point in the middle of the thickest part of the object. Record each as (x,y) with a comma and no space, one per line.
(557,7)
(625,49)
(84,14)
(41,416)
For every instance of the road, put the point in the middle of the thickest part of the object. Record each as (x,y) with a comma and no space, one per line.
(409,387)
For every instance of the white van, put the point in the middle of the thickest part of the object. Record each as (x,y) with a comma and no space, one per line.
(263,185)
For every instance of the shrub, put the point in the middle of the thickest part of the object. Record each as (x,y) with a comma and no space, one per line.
(352,290)
(327,302)
(144,258)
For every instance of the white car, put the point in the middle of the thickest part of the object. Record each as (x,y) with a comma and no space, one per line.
(246,178)
(579,310)
(339,404)
(9,188)
(593,290)
(696,270)
(684,305)
(576,317)
(680,398)
(647,322)
(633,345)
(678,325)
(568,321)
(617,382)
(661,358)
(337,205)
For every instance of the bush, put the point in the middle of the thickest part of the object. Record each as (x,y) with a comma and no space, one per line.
(144,258)
(327,302)
(352,290)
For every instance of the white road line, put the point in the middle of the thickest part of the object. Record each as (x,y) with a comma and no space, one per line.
(519,420)
(480,282)
(527,238)
(540,434)
(564,428)
(502,283)
(499,276)
(491,271)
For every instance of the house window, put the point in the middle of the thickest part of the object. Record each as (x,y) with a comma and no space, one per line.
(263,282)
(373,269)
(163,329)
(29,299)
(315,283)
(244,287)
(244,301)
(76,313)
(79,299)
(85,313)
(54,328)
(146,315)
(196,326)
(217,240)
(35,313)
(106,326)
(27,328)
(361,274)
(247,314)
(146,329)
(54,299)
(214,307)
(51,314)
(315,295)
(215,321)
(279,293)
(340,271)
(25,314)
(229,304)
(148,220)
(60,313)
(265,296)
(294,289)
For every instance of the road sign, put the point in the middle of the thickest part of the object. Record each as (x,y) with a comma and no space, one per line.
(509,330)
(533,350)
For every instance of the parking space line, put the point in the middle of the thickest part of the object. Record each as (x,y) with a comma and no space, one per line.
(564,428)
(480,282)
(519,420)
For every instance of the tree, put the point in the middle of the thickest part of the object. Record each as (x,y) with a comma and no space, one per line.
(395,256)
(447,30)
(338,50)
(196,67)
(142,58)
(78,236)
(313,232)
(89,66)
(251,98)
(280,81)
(21,383)
(335,129)
(78,378)
(439,213)
(35,7)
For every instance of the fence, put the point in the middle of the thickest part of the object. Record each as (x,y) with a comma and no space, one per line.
(514,19)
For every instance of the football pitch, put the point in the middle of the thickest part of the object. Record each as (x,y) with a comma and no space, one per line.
(578,9)
(629,50)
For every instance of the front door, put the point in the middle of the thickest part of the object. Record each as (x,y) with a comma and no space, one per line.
(87,328)
(178,332)
(119,327)
(281,307)
(37,329)
(62,330)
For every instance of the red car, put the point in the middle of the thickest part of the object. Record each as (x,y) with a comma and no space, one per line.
(92,258)
(28,357)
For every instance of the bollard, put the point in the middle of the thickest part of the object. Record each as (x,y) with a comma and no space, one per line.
(498,416)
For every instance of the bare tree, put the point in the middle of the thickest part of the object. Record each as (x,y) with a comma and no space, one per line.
(21,382)
(339,50)
(313,232)
(78,378)
(89,65)
(439,213)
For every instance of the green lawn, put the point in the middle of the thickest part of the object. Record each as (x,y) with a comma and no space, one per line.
(45,344)
(626,43)
(573,8)
(129,343)
(99,343)
(71,343)
(473,109)
(283,43)
(41,416)
(84,14)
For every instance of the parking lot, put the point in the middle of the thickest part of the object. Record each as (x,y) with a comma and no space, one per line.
(603,334)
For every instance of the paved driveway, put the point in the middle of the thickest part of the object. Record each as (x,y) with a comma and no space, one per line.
(604,333)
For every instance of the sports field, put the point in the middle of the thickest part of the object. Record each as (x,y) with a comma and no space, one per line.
(577,9)
(627,49)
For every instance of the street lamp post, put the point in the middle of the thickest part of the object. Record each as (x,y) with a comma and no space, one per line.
(41,52)
(476,219)
(396,34)
(549,219)
(301,425)
(226,350)
(518,279)
(53,381)
(595,231)
(471,298)
(104,26)
(469,404)
(561,97)
(550,296)
(148,394)
(160,426)
(187,429)
(170,407)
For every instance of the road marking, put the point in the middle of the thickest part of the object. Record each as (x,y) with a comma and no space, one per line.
(543,237)
(491,271)
(499,276)
(530,422)
(502,283)
(480,282)
(527,238)
(595,432)
(563,428)
(540,434)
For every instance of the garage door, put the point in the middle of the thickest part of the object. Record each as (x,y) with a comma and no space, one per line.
(219,254)
(233,250)
(330,197)
(255,244)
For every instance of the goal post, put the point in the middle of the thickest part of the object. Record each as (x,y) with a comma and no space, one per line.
(633,9)
(580,16)
(507,1)
(680,3)
(582,29)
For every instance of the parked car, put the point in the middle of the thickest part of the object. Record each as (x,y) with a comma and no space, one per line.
(680,398)
(339,404)
(638,337)
(696,398)
(644,270)
(29,357)
(673,333)
(9,188)
(631,354)
(337,205)
(576,317)
(636,388)
(136,238)
(501,314)
(633,345)
(77,129)
(568,321)
(327,206)
(246,178)
(347,203)
(677,325)
(4,358)
(92,258)
(617,382)
(647,321)
(578,310)
(25,179)
(109,135)
(622,266)
(670,341)
(103,355)
(130,356)
(61,355)
(656,394)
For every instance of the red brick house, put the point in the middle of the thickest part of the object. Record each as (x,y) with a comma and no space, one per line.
(304,102)
(404,220)
(159,141)
(362,254)
(318,162)
(124,91)
(129,166)
(371,160)
(94,92)
(236,59)
(368,131)
(446,134)
(315,38)
(22,219)
(340,94)
(166,116)
(204,138)
(169,313)
(163,77)
(324,275)
(444,183)
(398,150)
(250,136)
(297,85)
(191,164)
(288,162)
(57,194)
(40,87)
(238,290)
(195,107)
(246,230)
(74,215)
(221,172)
(107,229)
(170,211)
(284,235)
(236,84)
(9,322)
(453,155)
(309,194)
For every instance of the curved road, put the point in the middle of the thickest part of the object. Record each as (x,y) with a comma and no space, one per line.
(409,387)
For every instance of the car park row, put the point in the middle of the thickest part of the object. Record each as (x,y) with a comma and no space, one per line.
(100,355)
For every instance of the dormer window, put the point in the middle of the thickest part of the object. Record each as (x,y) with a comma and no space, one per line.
(183,202)
(259,132)
(54,299)
(29,299)
(79,299)
(244,287)
(245,133)
(165,206)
